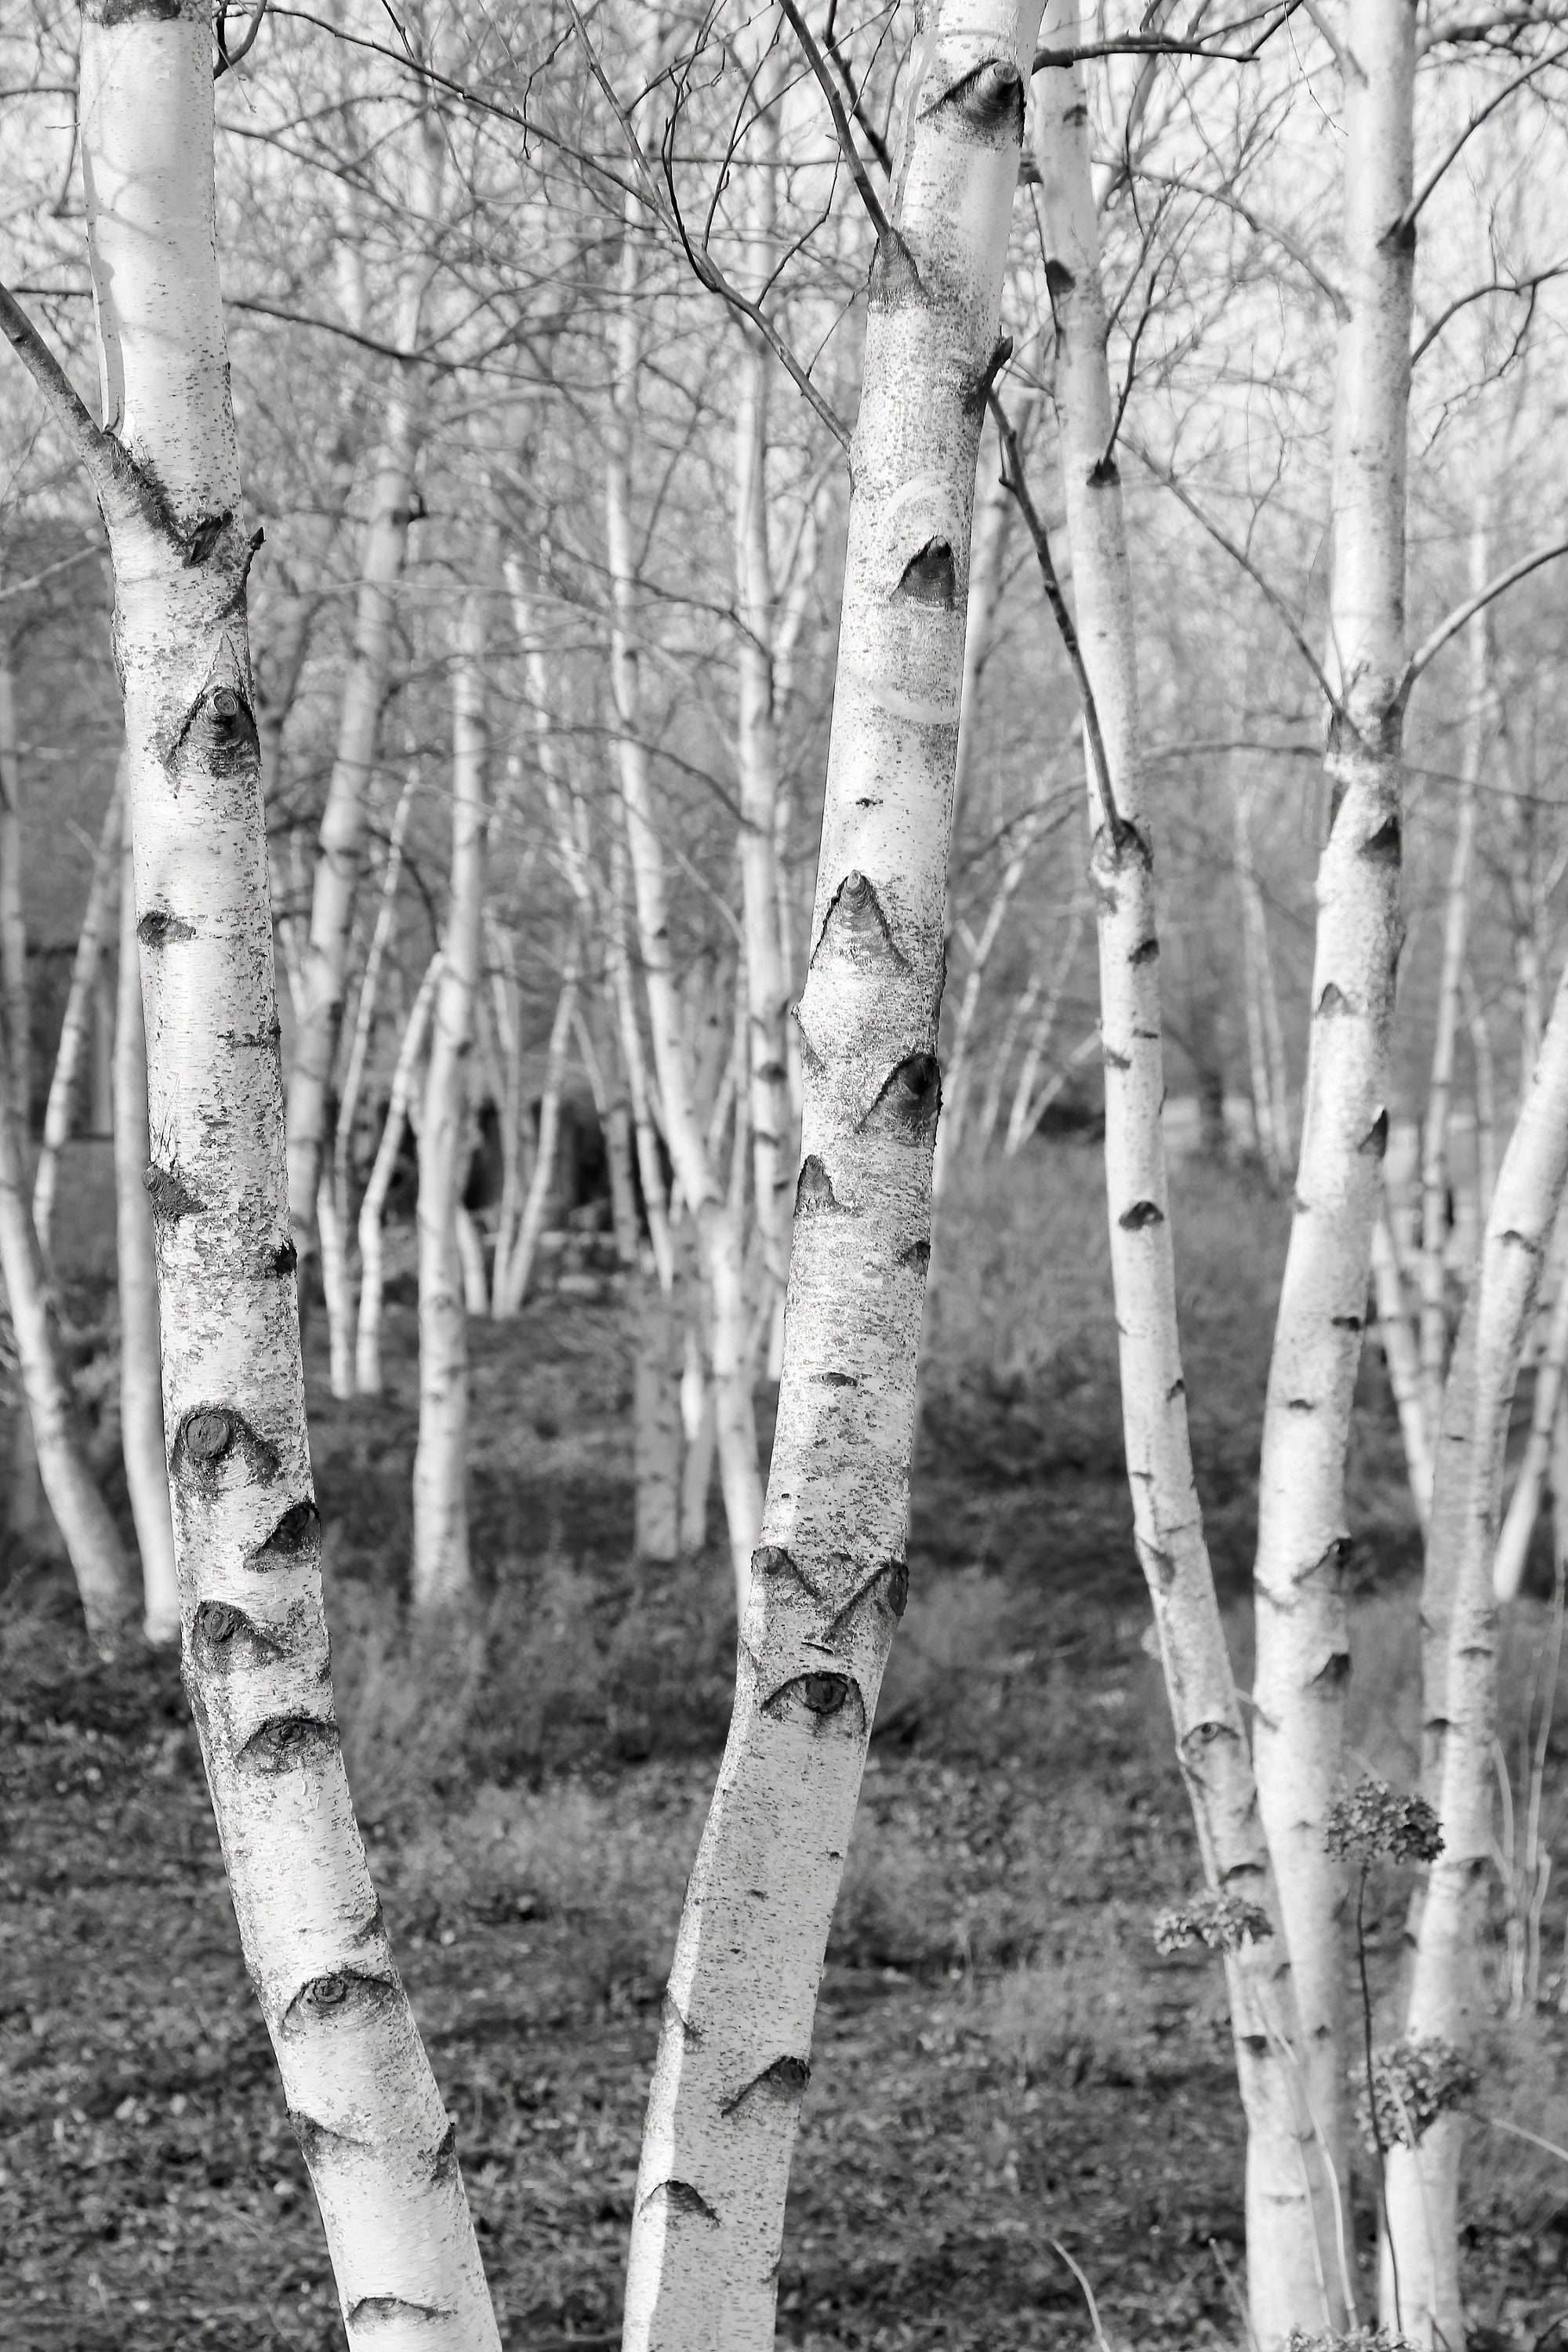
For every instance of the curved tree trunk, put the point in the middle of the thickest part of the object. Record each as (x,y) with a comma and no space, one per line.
(364,2103)
(367,1338)
(77,1026)
(1303,1645)
(829,1578)
(1293,2250)
(1421,2258)
(440,1468)
(141,1354)
(14,1002)
(512,1273)
(324,961)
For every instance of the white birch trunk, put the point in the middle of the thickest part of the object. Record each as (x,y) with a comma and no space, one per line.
(1401,1355)
(655,1427)
(1447,2000)
(1024,1116)
(511,1282)
(91,1540)
(829,1577)
(718,1240)
(1303,1647)
(76,1029)
(13,1005)
(1291,2237)
(1524,1505)
(441,1573)
(957,1077)
(1273,1146)
(365,2106)
(141,1354)
(324,961)
(698,1421)
(367,1338)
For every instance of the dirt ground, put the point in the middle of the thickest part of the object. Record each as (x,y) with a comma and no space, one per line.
(1002,2061)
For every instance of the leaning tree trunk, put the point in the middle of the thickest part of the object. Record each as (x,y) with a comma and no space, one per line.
(1304,1646)
(1524,1503)
(141,1354)
(91,1539)
(719,1238)
(1421,2259)
(324,963)
(14,1004)
(514,1256)
(829,1577)
(440,1468)
(372,1250)
(1293,2249)
(76,1027)
(365,2106)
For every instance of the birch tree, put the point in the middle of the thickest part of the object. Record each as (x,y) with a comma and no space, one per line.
(165,467)
(828,1581)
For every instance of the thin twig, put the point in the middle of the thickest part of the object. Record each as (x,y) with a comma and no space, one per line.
(1450,628)
(851,154)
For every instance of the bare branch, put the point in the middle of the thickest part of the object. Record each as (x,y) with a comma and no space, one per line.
(1519,286)
(228,58)
(1449,627)
(1238,555)
(1407,220)
(108,468)
(869,130)
(1259,227)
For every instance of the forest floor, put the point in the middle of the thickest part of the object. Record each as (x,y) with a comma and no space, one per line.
(1001,2059)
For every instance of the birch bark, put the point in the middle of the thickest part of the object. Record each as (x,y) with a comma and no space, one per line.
(12,911)
(141,1354)
(829,1577)
(440,1470)
(1420,2269)
(1524,1503)
(372,1209)
(511,1285)
(364,2103)
(1292,2239)
(324,961)
(76,1029)
(718,1239)
(1304,1649)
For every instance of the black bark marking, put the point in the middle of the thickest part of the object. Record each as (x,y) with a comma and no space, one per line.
(891,1583)
(910,1102)
(1103,474)
(681,2198)
(837,1380)
(1300,1404)
(295,1534)
(1204,1735)
(1384,846)
(825,1696)
(224,1641)
(918,1254)
(1374,1142)
(788,2075)
(1059,281)
(1332,1001)
(204,537)
(988,103)
(211,1439)
(1177,1389)
(158,928)
(171,1196)
(441,2164)
(856,919)
(284,1741)
(930,576)
(318,2140)
(1145,952)
(284,1259)
(347,1993)
(894,280)
(1334,1672)
(1142,1213)
(1346,1322)
(814,1192)
(674,2017)
(1111,1060)
(371,2309)
(1515,1240)
(772,1560)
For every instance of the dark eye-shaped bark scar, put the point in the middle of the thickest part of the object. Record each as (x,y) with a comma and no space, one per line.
(205,537)
(1374,1142)
(375,2311)
(171,1196)
(910,1101)
(295,1536)
(831,1702)
(988,103)
(285,1742)
(890,1584)
(788,2077)
(895,278)
(318,2141)
(350,1996)
(814,1192)
(930,577)
(1332,1002)
(1384,846)
(224,1641)
(1142,1213)
(679,2197)
(215,1446)
(772,1561)
(282,1259)
(159,927)
(859,925)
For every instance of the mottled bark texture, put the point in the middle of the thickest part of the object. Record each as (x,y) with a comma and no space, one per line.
(365,2106)
(76,1028)
(828,1581)
(1460,1611)
(1303,1640)
(1292,2253)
